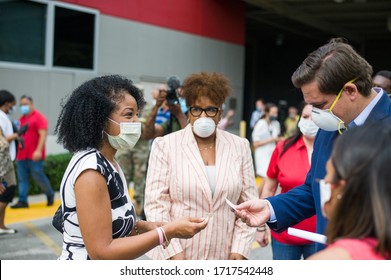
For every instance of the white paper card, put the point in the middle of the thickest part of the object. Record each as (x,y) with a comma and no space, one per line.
(315,237)
(233,206)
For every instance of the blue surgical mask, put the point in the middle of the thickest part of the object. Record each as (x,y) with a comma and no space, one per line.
(24,109)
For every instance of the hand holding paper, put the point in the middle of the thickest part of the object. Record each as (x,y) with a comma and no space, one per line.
(253,212)
(233,206)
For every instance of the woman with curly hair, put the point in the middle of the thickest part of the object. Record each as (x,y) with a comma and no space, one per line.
(99,118)
(193,171)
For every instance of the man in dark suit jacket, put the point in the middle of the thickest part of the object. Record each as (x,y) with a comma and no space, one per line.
(337,82)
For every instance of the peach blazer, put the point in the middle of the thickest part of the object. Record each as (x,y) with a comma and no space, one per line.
(177,186)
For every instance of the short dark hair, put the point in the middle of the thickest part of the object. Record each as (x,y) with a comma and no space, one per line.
(333,65)
(6,97)
(27,97)
(297,134)
(362,156)
(84,115)
(268,106)
(384,73)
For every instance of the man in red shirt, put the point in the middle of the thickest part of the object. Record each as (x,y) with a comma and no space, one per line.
(31,154)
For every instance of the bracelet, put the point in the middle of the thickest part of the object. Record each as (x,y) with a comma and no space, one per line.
(160,233)
(261,228)
(166,242)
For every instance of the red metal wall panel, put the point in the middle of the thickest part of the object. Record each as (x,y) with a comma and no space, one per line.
(218,19)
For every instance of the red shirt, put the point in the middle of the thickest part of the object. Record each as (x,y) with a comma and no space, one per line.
(36,121)
(290,170)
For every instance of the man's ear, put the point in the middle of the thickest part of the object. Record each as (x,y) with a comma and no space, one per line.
(351,91)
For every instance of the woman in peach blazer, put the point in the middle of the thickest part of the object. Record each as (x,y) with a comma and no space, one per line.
(192,171)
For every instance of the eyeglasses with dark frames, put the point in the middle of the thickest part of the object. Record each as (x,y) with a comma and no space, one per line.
(196,111)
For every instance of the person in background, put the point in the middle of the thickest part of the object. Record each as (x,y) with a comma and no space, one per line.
(192,172)
(177,120)
(337,82)
(8,155)
(31,157)
(290,123)
(163,114)
(227,121)
(265,135)
(359,202)
(98,119)
(289,164)
(382,79)
(7,108)
(258,112)
(7,182)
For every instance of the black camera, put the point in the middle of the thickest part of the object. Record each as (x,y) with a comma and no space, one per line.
(173,83)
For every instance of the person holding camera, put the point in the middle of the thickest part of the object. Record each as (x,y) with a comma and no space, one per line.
(177,120)
(193,171)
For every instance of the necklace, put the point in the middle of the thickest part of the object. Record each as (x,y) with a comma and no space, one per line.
(207,148)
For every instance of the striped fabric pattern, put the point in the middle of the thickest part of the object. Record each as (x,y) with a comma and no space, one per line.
(177,186)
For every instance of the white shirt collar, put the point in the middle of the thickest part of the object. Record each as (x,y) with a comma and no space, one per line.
(362,117)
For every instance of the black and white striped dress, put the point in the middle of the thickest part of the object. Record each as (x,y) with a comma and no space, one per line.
(122,210)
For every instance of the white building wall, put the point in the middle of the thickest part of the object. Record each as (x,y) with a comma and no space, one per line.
(145,53)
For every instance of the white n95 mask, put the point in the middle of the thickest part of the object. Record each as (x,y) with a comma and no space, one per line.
(326,120)
(128,136)
(204,127)
(308,127)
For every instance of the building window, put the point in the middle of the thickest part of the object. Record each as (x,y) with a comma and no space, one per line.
(47,34)
(73,49)
(22,32)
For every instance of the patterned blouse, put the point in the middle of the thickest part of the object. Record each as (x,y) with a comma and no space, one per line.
(122,210)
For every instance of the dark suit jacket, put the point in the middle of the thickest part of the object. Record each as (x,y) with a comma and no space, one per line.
(304,201)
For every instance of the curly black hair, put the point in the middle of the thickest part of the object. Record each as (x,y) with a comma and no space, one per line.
(84,114)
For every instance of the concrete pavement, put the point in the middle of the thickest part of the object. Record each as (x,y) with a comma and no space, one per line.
(37,239)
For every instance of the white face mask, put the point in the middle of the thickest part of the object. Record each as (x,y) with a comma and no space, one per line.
(128,136)
(11,110)
(204,127)
(308,127)
(326,120)
(325,194)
